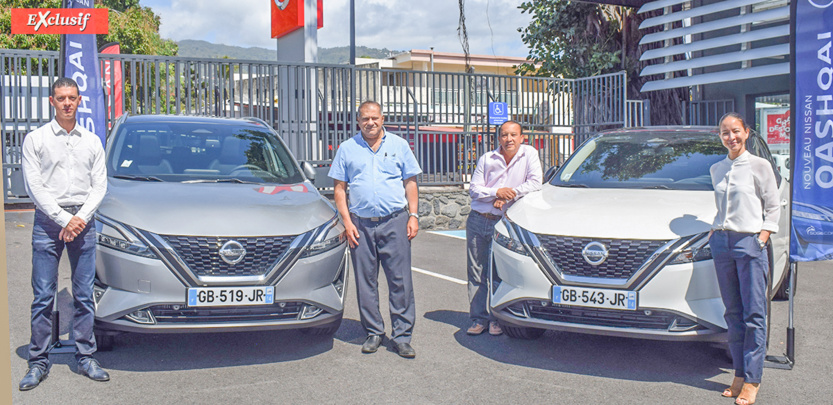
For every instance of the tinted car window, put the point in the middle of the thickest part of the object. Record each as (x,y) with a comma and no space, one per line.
(756,146)
(663,160)
(194,151)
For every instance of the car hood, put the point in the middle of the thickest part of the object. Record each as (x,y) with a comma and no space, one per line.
(615,213)
(216,209)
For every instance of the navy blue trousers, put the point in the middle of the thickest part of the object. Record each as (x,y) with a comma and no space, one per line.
(742,270)
(385,243)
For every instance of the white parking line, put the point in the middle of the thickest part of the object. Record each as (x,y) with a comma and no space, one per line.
(438,275)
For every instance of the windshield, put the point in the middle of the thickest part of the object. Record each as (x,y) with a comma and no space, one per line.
(200,152)
(660,160)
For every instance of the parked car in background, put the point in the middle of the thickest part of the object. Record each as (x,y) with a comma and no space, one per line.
(210,224)
(616,242)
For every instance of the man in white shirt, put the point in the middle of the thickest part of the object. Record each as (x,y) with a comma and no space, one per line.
(501,177)
(63,168)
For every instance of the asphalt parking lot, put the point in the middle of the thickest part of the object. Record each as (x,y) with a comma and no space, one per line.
(450,367)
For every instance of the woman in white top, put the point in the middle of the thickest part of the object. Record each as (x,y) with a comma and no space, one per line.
(747,213)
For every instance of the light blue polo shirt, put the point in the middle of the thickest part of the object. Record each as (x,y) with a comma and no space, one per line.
(375,179)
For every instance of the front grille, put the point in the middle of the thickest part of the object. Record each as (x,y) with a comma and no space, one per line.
(167,313)
(601,317)
(202,256)
(625,257)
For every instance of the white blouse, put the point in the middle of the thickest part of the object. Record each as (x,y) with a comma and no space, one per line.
(746,195)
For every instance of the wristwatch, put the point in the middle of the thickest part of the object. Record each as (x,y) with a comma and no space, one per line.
(761,243)
(413,214)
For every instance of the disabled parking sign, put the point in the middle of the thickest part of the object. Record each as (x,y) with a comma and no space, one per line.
(498,113)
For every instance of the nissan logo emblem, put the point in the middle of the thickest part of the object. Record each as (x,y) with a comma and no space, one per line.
(594,253)
(232,252)
(282,4)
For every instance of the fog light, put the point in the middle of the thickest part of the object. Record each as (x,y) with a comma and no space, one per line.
(98,292)
(142,316)
(310,311)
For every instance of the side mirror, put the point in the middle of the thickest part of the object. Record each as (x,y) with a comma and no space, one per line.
(309,171)
(550,173)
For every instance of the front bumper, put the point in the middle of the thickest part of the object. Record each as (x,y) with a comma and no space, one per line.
(310,293)
(676,302)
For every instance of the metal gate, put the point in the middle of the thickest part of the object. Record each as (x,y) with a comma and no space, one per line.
(443,115)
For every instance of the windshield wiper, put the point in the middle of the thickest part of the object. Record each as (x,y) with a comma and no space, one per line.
(142,178)
(231,180)
(658,187)
(575,185)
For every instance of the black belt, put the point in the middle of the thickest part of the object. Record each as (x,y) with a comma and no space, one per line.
(72,209)
(379,219)
(493,217)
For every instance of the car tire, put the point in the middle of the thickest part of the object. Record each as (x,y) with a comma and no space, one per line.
(325,330)
(522,332)
(105,342)
(783,292)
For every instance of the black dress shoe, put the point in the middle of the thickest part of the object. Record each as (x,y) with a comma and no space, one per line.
(93,370)
(32,378)
(371,344)
(405,350)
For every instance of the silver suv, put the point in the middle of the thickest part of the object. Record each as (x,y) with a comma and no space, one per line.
(210,224)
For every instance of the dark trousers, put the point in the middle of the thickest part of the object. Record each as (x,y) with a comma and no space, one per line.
(385,242)
(479,233)
(47,249)
(742,270)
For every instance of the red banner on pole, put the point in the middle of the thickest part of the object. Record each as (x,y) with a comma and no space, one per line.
(111,72)
(60,21)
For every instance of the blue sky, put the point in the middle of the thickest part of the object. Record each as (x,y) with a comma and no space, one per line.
(392,24)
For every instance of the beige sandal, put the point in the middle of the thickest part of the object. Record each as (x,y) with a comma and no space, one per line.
(748,394)
(733,390)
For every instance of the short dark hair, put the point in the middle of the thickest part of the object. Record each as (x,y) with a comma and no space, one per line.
(370,102)
(63,82)
(735,116)
(511,122)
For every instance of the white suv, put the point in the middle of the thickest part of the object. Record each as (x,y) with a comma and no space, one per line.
(616,242)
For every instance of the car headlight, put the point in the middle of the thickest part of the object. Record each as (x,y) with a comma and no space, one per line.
(695,252)
(510,240)
(326,237)
(116,236)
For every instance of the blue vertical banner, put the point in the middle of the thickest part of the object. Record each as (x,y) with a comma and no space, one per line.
(812,201)
(80,58)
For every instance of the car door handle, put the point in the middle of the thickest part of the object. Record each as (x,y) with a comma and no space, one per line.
(784,203)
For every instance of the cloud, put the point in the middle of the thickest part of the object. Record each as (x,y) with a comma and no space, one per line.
(392,24)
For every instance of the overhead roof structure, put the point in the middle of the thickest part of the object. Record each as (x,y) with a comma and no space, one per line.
(707,42)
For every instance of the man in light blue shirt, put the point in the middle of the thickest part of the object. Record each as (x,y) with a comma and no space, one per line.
(380,169)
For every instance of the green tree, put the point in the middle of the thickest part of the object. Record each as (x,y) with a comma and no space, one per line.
(575,39)
(136,28)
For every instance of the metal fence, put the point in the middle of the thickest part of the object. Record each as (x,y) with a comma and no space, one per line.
(443,115)
(706,112)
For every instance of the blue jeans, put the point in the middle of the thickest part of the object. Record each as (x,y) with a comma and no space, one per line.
(742,269)
(47,249)
(479,233)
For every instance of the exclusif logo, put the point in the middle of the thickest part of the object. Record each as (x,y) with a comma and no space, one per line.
(59,21)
